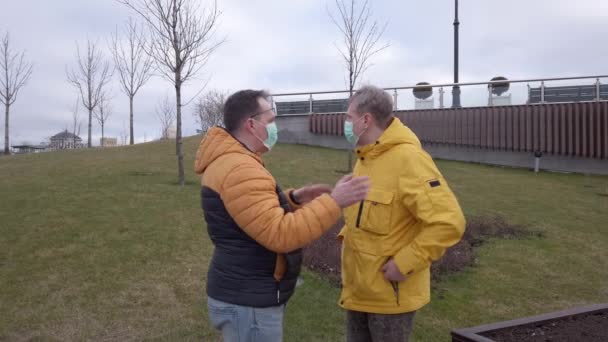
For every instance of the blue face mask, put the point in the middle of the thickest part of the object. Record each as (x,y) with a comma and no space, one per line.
(349,132)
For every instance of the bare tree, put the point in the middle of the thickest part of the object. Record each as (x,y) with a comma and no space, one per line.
(124,135)
(134,65)
(209,110)
(360,38)
(90,77)
(181,44)
(102,112)
(360,41)
(165,111)
(76,122)
(15,72)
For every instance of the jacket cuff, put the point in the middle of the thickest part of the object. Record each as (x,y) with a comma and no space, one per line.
(290,198)
(409,262)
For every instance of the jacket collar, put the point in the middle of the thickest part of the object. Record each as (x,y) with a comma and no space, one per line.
(217,143)
(385,142)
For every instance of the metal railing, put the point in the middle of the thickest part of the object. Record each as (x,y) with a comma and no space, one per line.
(441,90)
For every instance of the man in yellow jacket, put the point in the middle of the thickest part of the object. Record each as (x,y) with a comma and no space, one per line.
(408,220)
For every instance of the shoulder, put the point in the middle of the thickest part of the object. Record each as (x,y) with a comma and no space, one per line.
(234,169)
(414,161)
(408,153)
(244,171)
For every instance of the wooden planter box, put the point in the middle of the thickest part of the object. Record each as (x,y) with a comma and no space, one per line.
(587,324)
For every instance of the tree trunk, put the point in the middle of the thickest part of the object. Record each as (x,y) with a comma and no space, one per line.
(7,150)
(178,133)
(102,136)
(132,140)
(89,144)
(350,152)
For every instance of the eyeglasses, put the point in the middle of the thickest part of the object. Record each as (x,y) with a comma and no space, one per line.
(264,111)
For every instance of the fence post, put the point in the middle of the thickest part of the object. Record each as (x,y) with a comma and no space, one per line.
(542,92)
(441,91)
(490,99)
(310,104)
(395,96)
(597,90)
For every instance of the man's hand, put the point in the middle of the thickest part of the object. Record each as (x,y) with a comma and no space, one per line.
(350,190)
(310,192)
(391,272)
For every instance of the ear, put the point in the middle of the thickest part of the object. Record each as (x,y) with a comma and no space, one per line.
(250,125)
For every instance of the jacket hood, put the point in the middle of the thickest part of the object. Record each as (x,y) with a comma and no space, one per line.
(396,134)
(218,142)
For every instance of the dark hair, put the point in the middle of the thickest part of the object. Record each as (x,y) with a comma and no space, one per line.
(374,100)
(240,106)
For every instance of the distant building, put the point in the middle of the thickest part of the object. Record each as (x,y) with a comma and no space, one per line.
(424,103)
(575,93)
(65,140)
(21,149)
(171,132)
(108,142)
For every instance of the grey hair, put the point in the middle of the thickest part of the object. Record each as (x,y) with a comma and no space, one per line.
(374,100)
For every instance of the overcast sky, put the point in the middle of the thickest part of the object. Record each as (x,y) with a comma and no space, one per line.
(288,46)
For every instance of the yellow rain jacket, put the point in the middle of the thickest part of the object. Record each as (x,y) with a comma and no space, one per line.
(410,215)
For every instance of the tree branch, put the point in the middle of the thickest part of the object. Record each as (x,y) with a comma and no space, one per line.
(360,36)
(15,72)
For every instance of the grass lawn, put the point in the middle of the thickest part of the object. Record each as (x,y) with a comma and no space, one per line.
(102,245)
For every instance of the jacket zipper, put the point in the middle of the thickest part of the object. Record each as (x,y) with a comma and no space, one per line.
(359,214)
(395,286)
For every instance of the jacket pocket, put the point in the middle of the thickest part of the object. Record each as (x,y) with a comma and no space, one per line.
(376,212)
(367,282)
(439,197)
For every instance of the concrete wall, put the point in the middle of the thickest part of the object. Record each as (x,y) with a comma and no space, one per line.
(294,129)
(518,159)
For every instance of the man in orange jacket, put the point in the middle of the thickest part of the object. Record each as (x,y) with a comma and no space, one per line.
(408,220)
(258,229)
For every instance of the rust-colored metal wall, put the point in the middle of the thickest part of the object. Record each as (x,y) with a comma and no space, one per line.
(572,129)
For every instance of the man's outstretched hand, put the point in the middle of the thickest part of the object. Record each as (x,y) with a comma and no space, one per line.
(350,190)
(310,192)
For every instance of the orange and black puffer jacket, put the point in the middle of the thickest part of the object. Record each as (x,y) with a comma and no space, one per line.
(257,229)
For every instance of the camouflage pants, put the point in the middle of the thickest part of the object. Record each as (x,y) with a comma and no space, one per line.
(369,327)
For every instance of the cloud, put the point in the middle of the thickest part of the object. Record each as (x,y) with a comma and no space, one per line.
(289,46)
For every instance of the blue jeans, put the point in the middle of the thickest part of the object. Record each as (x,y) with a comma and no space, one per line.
(246,324)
